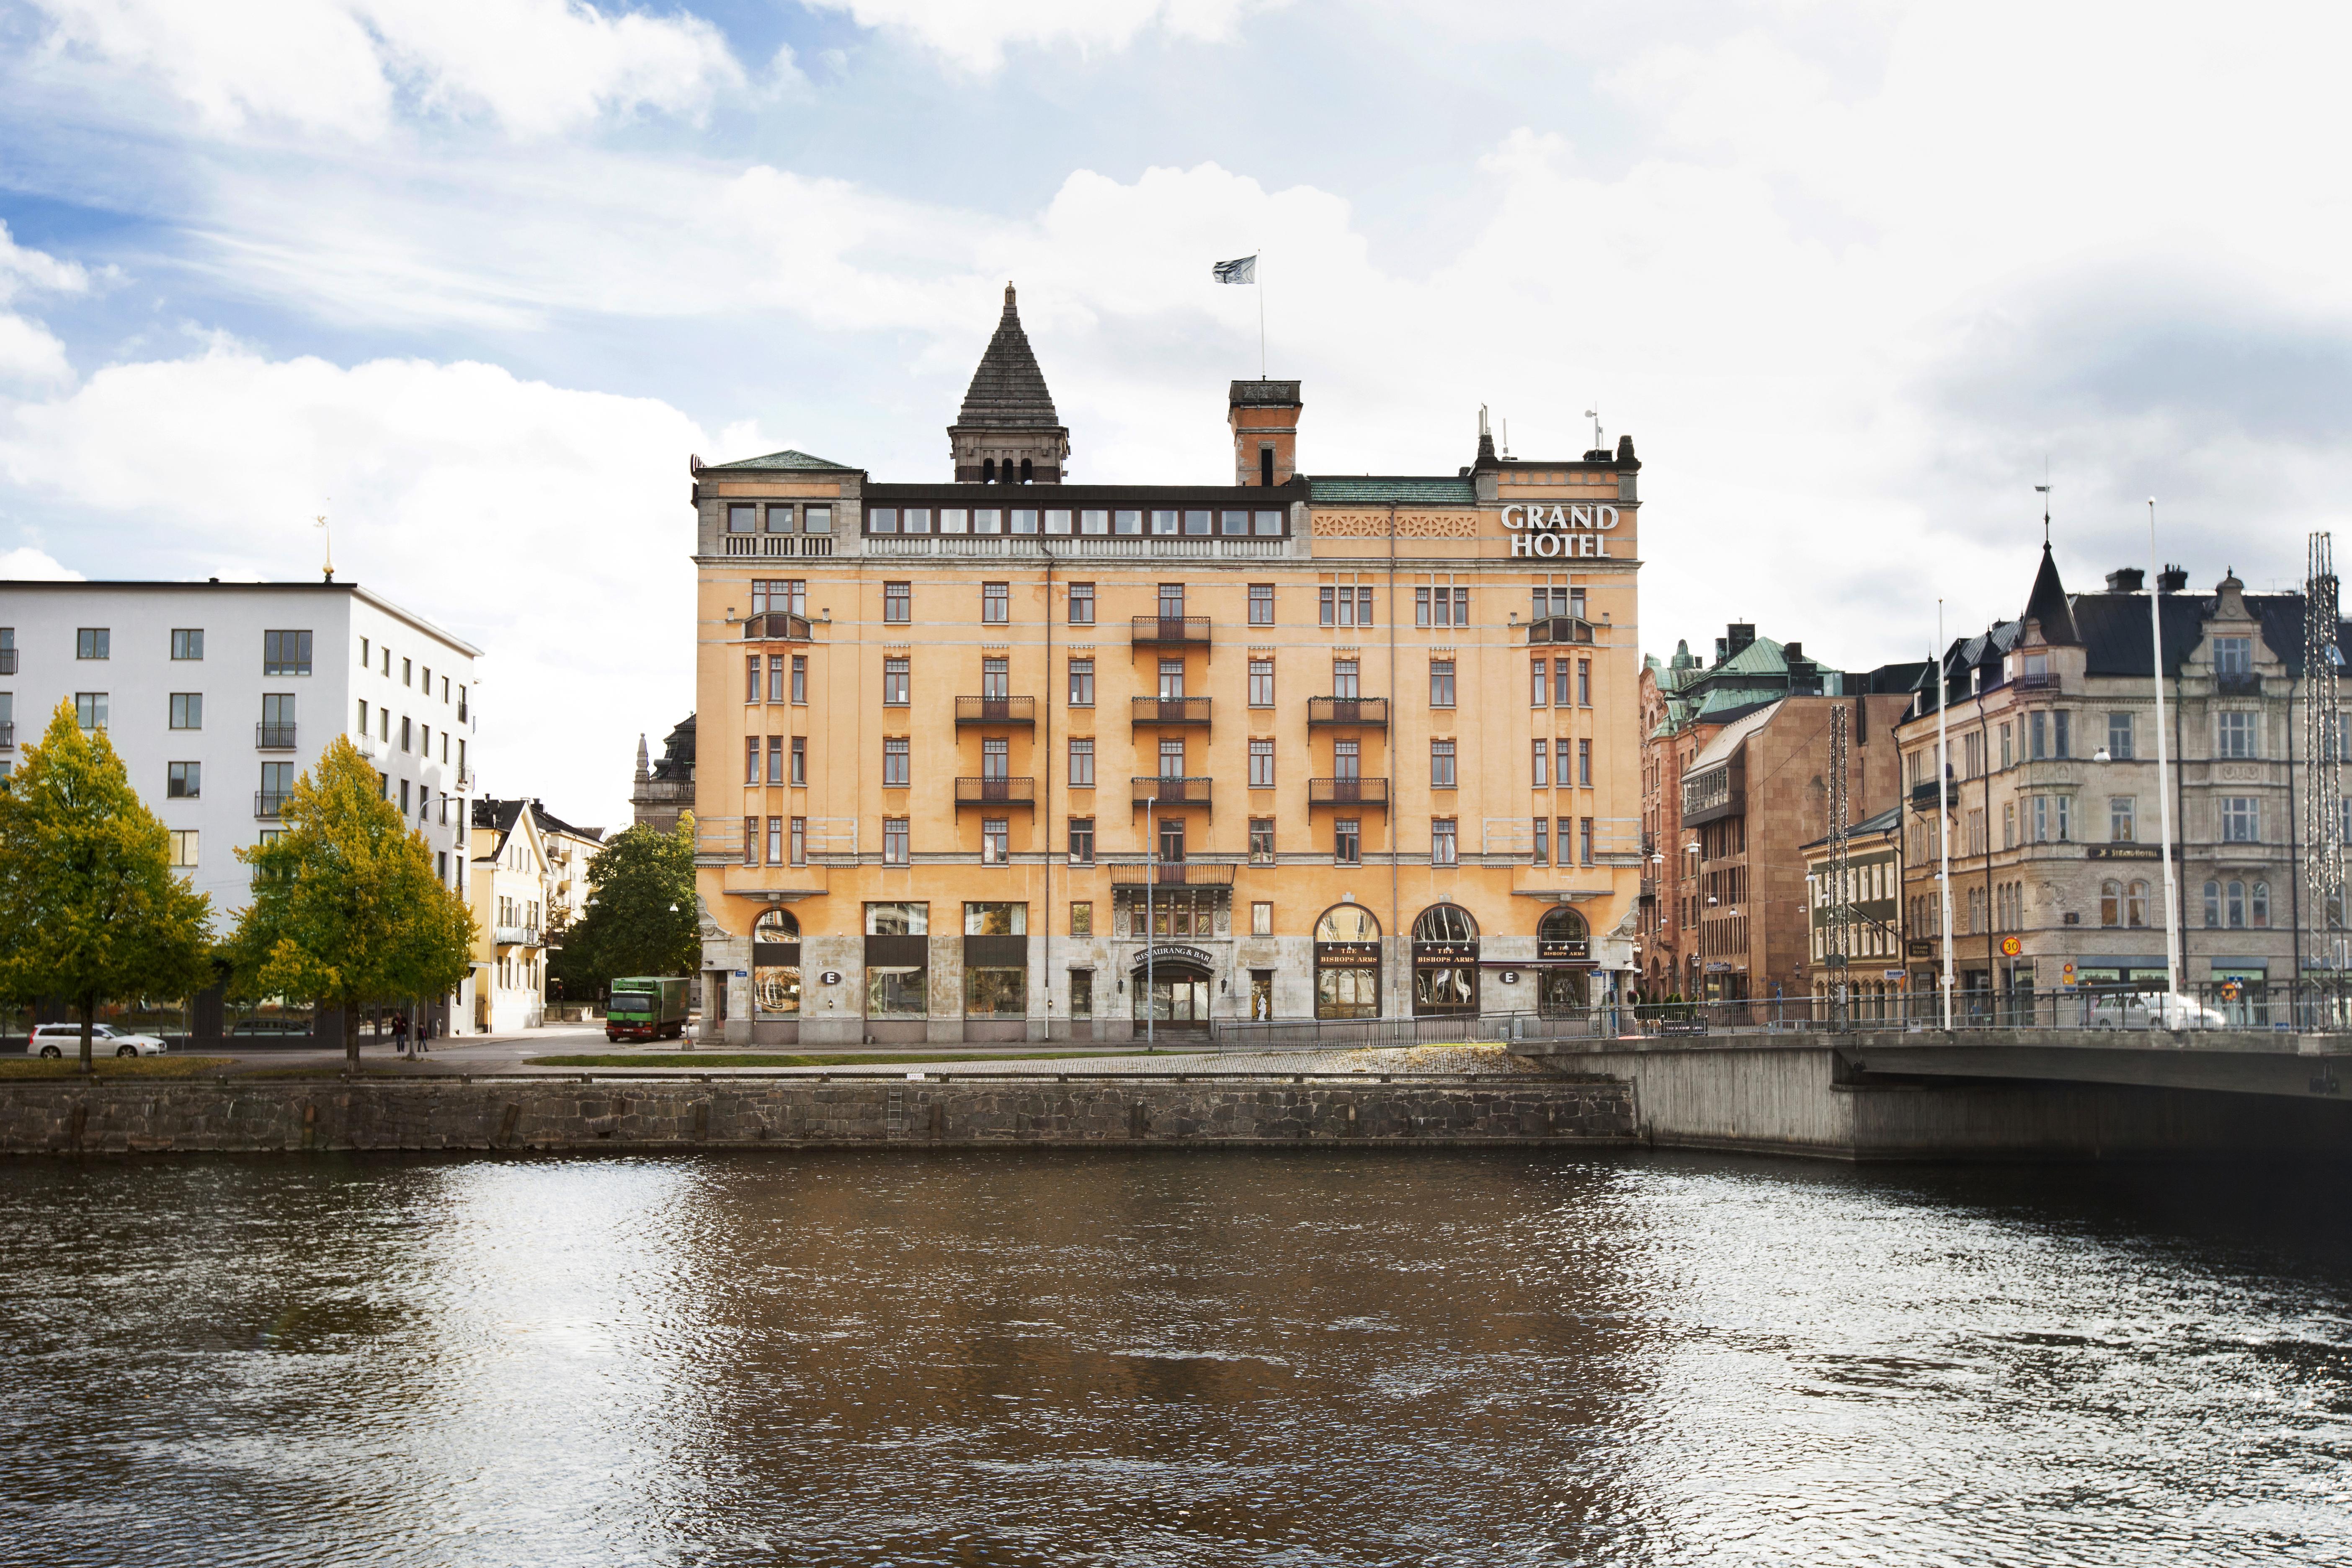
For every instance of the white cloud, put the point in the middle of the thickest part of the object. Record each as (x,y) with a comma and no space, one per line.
(26,564)
(35,270)
(31,357)
(539,523)
(976,36)
(1846,295)
(536,67)
(30,354)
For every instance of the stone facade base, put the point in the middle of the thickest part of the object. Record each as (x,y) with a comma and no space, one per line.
(523,1114)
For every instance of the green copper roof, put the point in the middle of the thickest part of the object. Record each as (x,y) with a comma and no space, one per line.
(1369,490)
(1762,657)
(786,459)
(1725,700)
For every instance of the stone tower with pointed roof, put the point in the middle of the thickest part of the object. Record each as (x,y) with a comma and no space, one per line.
(1007,432)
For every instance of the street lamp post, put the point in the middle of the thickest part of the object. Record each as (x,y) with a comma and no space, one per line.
(1150,877)
(2163,789)
(1943,809)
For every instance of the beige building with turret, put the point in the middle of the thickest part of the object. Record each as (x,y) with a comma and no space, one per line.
(1012,754)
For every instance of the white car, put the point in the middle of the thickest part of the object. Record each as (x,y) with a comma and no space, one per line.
(55,1040)
(2154,1010)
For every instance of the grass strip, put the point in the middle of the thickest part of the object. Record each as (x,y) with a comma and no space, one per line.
(115,1067)
(671,1061)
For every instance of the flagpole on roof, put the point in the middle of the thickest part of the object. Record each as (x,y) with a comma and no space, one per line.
(1261,321)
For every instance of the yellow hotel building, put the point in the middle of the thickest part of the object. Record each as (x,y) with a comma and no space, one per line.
(1006,756)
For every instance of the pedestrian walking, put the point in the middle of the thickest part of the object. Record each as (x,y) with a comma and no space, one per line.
(399,1032)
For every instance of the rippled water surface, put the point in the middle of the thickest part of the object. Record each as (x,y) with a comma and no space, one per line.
(1283,1358)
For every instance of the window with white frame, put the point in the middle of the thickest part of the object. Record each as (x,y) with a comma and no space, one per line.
(2233,734)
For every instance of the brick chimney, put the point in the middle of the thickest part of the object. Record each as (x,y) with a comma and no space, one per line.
(1265,419)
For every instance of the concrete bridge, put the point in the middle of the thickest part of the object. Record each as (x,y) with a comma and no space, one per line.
(1984,1094)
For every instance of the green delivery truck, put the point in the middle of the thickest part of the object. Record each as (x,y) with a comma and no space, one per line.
(647,1007)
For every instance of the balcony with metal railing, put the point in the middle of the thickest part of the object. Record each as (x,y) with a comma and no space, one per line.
(776,625)
(1559,630)
(1170,631)
(270,803)
(270,736)
(7,735)
(1353,711)
(2237,683)
(515,936)
(1022,793)
(1165,791)
(1172,874)
(1347,792)
(996,711)
(1168,711)
(7,661)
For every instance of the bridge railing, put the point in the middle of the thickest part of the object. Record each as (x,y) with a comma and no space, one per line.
(2296,1006)
(2284,1007)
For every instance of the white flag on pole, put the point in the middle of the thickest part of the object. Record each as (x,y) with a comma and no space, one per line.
(1241,269)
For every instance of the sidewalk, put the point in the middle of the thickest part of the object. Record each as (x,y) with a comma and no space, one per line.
(510,1056)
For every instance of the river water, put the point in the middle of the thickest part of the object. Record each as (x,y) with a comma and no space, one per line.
(1208,1358)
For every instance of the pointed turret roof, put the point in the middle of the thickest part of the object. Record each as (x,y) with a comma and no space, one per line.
(1008,391)
(2047,605)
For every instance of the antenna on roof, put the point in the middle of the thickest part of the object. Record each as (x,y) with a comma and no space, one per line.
(328,535)
(1593,414)
(2043,491)
(1506,438)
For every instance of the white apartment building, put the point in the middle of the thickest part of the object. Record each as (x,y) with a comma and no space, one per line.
(219,695)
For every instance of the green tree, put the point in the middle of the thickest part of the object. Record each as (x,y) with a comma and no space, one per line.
(346,909)
(641,912)
(89,909)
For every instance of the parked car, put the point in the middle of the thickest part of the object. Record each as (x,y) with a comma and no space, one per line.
(2153,1010)
(55,1040)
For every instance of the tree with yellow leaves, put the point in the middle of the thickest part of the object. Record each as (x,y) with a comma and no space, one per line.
(89,910)
(346,909)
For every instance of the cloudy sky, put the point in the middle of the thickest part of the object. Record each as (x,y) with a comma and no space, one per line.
(477,275)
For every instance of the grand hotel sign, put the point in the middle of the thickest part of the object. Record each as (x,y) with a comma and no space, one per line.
(1575,529)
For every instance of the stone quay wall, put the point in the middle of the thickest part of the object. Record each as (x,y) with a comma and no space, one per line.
(519,1113)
